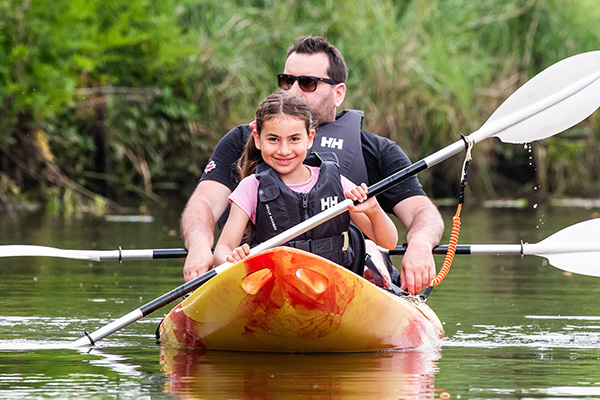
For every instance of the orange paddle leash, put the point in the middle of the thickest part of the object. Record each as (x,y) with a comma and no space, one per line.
(456,219)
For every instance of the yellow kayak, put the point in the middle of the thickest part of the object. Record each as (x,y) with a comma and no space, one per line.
(289,300)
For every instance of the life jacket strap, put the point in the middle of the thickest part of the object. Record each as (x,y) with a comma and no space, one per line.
(323,245)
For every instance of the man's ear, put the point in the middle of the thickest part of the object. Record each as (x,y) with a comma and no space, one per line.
(339,94)
(256,139)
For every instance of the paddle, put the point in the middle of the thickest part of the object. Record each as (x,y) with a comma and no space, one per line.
(557,98)
(570,86)
(90,255)
(574,249)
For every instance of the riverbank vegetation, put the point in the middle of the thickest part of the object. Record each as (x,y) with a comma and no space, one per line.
(103,103)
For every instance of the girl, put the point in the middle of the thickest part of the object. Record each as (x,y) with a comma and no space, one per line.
(280,189)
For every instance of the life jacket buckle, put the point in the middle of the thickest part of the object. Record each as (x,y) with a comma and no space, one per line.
(346,241)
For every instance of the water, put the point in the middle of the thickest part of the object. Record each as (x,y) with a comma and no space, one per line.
(515,328)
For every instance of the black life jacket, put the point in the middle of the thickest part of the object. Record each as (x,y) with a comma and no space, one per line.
(280,208)
(343,137)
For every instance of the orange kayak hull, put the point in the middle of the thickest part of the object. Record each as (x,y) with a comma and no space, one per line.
(288,300)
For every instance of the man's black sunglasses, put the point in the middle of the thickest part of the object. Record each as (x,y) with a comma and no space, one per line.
(306,83)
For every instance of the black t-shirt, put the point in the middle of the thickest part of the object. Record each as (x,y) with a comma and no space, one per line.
(382,156)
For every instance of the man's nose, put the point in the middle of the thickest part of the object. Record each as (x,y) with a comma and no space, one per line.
(295,89)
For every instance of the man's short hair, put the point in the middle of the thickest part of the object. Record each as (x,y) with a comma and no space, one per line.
(316,44)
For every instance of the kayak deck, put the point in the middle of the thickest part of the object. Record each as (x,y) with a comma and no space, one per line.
(288,300)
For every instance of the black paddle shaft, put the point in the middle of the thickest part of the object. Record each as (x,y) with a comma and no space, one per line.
(394,179)
(443,249)
(169,253)
(176,293)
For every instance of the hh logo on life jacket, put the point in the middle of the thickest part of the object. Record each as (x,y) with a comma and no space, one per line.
(332,143)
(328,202)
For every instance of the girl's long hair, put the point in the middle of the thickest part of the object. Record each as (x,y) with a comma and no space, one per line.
(279,103)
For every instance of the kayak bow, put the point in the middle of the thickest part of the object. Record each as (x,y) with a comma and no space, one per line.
(288,300)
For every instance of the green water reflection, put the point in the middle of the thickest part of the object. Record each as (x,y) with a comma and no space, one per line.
(516,328)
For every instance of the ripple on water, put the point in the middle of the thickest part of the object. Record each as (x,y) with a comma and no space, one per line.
(54,333)
(562,332)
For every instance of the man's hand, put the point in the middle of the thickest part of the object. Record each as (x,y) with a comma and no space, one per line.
(203,209)
(424,229)
(198,261)
(418,268)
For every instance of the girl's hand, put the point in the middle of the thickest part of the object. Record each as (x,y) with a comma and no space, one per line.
(239,253)
(359,194)
(371,219)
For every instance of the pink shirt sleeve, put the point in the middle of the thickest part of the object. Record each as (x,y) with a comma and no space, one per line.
(347,184)
(245,196)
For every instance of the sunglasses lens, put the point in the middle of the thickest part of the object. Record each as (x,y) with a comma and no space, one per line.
(307,83)
(285,82)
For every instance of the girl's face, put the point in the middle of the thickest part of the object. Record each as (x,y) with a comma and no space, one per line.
(283,144)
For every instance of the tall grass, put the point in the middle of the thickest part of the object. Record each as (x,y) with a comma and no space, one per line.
(424,72)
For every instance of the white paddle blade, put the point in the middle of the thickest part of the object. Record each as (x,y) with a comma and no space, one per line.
(575,249)
(557,98)
(43,251)
(587,263)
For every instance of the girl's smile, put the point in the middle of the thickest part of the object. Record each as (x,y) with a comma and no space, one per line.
(284,162)
(284,143)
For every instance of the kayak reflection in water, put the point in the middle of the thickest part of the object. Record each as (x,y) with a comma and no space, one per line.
(221,374)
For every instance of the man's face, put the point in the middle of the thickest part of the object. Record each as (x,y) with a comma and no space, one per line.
(324,101)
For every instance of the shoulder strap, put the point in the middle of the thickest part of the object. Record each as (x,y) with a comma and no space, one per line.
(343,137)
(315,159)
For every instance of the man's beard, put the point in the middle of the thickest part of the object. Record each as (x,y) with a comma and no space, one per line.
(323,112)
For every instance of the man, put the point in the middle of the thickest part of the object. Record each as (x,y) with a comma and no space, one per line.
(315,71)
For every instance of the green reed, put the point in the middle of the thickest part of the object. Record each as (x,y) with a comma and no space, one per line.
(161,82)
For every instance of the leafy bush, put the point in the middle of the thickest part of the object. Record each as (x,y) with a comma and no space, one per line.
(126,99)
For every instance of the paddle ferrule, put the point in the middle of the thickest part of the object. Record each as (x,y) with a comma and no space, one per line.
(445,153)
